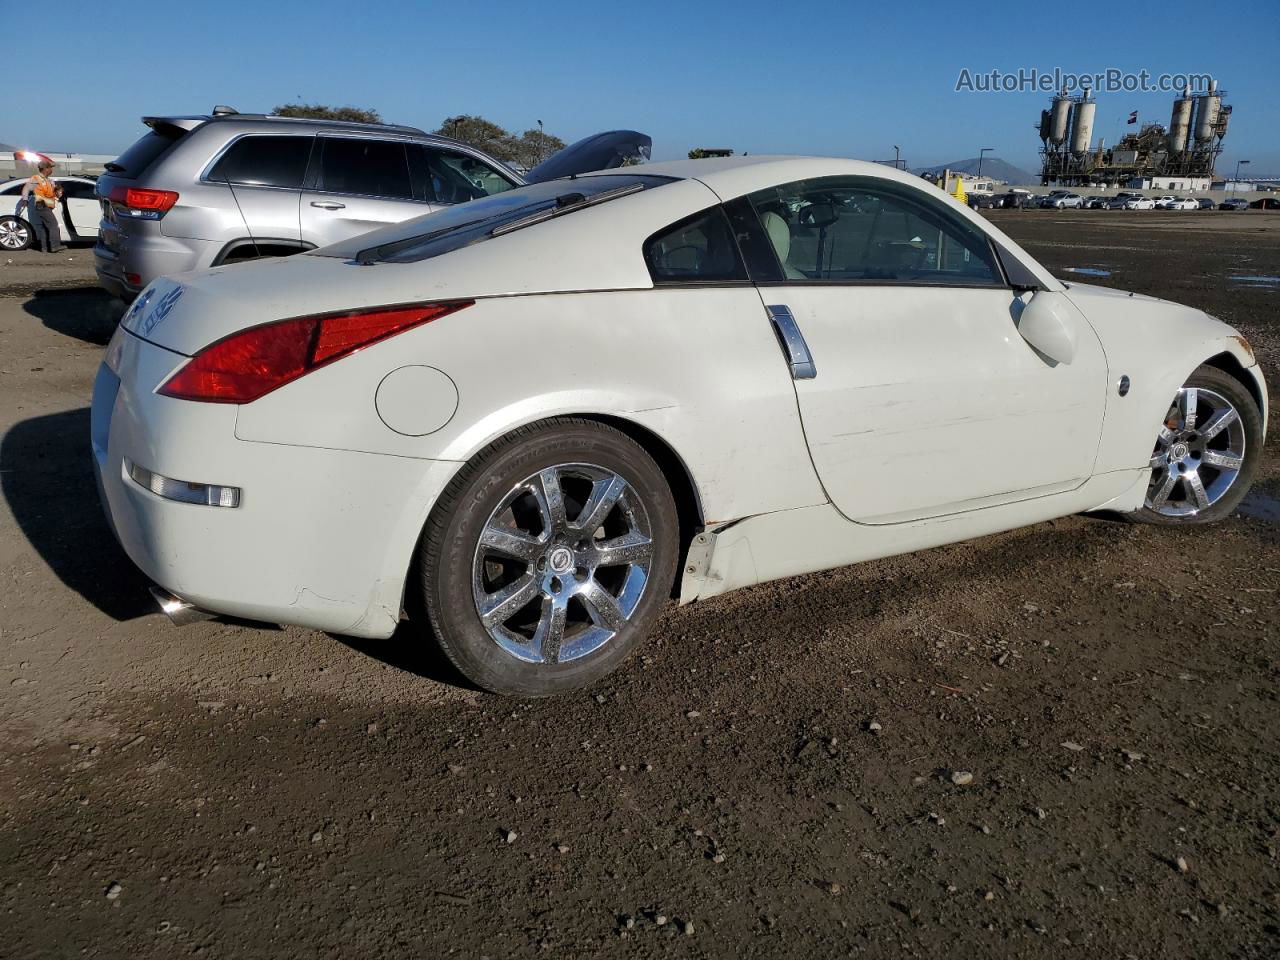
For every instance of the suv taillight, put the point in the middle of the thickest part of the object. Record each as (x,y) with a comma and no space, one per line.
(141,203)
(249,364)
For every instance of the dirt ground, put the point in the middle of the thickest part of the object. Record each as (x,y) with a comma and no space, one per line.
(772,776)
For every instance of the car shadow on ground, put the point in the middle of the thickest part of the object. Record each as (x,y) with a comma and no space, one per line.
(411,648)
(84,313)
(46,476)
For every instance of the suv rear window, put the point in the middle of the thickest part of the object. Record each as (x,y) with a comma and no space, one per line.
(267,161)
(466,223)
(146,150)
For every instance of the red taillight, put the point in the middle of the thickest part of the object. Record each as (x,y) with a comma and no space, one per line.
(249,364)
(148,204)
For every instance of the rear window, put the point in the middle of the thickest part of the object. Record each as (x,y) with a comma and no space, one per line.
(267,161)
(147,150)
(476,221)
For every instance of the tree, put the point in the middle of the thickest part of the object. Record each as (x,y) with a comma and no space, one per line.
(480,133)
(319,111)
(534,146)
(526,150)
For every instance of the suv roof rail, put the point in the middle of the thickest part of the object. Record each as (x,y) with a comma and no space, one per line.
(190,122)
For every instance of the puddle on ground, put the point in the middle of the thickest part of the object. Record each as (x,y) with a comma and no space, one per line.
(1088,271)
(1260,506)
(1256,282)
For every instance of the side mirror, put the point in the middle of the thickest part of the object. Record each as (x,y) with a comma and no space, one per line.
(1048,323)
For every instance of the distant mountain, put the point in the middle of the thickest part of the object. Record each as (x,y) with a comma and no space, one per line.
(991,167)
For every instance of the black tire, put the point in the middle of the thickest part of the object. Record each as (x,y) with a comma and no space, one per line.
(451,537)
(1242,400)
(12,225)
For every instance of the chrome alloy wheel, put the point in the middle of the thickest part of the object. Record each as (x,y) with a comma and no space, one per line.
(562,563)
(14,235)
(1199,453)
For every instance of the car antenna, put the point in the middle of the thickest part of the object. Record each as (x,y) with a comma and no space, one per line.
(243,219)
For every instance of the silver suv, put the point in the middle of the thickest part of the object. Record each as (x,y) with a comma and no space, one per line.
(206,190)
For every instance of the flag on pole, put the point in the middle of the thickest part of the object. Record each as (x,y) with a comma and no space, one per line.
(1133,117)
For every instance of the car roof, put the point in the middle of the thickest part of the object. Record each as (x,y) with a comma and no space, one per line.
(191,121)
(56,176)
(733,176)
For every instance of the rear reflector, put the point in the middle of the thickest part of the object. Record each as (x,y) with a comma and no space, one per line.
(253,362)
(183,491)
(141,203)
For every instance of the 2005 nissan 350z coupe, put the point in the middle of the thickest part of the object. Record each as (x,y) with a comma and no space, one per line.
(538,416)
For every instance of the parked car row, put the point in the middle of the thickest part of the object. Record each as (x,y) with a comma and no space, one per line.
(1125,200)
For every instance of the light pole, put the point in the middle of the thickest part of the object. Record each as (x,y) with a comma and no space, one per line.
(1235,181)
(541,141)
(897,158)
(453,126)
(982,153)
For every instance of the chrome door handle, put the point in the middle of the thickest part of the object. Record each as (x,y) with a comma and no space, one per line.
(328,205)
(792,340)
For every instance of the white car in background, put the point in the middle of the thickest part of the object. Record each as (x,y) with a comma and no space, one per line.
(78,213)
(1169,202)
(1139,203)
(532,419)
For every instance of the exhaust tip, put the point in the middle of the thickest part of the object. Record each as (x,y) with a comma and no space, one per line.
(180,612)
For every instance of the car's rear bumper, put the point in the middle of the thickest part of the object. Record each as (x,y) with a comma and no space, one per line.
(321,538)
(125,269)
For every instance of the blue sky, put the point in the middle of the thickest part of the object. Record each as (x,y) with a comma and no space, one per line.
(825,78)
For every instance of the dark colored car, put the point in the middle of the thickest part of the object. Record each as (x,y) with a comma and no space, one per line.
(1234,203)
(1206,203)
(981,201)
(1265,203)
(1013,200)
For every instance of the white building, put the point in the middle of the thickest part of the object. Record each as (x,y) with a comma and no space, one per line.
(1179,183)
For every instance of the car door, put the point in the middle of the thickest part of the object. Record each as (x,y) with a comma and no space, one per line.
(255,183)
(358,183)
(82,207)
(918,396)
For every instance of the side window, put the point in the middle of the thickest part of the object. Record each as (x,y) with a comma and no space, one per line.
(265,161)
(12,189)
(372,168)
(698,249)
(75,190)
(450,177)
(865,229)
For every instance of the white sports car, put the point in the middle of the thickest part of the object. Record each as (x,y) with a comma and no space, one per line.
(532,419)
(78,213)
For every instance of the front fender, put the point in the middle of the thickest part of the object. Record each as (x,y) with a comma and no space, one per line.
(1156,344)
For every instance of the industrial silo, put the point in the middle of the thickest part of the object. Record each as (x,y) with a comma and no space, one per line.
(1082,125)
(1208,106)
(1059,117)
(1180,122)
(1044,125)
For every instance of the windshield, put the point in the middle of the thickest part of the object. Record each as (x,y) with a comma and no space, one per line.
(476,221)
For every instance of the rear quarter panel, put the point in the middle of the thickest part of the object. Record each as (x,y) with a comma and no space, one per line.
(700,368)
